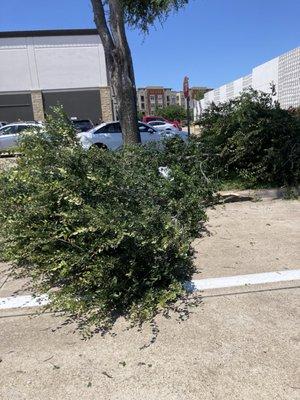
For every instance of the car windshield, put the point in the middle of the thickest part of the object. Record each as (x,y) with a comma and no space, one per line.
(6,130)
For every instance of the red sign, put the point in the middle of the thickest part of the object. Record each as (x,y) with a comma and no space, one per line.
(186,88)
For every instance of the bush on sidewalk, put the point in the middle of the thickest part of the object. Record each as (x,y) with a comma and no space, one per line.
(102,232)
(252,139)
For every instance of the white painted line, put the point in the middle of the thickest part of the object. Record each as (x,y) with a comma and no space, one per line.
(198,284)
(22,301)
(242,280)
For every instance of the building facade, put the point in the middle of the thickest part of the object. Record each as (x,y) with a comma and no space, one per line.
(151,98)
(40,69)
(282,71)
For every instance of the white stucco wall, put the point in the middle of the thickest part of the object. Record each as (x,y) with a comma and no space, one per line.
(237,87)
(223,96)
(51,63)
(283,71)
(264,75)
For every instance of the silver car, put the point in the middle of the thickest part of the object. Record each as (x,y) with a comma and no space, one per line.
(109,135)
(9,133)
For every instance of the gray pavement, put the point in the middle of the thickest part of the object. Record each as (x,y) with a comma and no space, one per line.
(239,343)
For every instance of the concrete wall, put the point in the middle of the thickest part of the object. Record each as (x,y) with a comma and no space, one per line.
(283,71)
(264,75)
(43,63)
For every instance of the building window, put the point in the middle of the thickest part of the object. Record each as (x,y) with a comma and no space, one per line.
(152,98)
(160,99)
(142,98)
(143,106)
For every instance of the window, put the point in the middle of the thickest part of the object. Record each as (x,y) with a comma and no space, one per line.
(142,98)
(156,123)
(145,128)
(21,128)
(83,125)
(168,98)
(8,130)
(114,128)
(143,106)
(152,98)
(109,128)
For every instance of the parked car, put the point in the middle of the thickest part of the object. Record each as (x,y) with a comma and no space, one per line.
(150,118)
(9,133)
(163,126)
(3,123)
(82,125)
(109,135)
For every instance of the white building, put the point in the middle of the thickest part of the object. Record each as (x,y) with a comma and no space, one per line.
(39,69)
(283,71)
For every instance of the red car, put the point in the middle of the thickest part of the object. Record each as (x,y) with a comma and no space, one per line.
(149,118)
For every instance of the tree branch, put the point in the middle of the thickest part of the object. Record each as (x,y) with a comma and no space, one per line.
(100,21)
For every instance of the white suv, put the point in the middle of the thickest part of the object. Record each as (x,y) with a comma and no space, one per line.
(9,133)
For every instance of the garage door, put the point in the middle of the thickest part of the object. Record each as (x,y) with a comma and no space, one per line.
(83,104)
(16,107)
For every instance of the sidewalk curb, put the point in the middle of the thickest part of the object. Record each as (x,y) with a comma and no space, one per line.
(232,196)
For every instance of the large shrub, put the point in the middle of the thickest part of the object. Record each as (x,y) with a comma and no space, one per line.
(102,232)
(252,139)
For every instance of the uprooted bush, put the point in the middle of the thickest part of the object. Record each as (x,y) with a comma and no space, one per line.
(103,233)
(252,139)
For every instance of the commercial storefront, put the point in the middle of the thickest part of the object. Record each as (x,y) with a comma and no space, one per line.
(40,69)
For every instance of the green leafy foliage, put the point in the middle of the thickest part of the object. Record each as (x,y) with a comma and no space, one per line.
(102,232)
(252,139)
(172,113)
(143,13)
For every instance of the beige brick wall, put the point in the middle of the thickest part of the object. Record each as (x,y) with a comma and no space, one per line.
(37,105)
(106,107)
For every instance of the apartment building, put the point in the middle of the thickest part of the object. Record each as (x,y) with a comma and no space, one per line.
(151,98)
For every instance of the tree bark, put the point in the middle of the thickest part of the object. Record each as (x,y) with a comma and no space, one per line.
(119,65)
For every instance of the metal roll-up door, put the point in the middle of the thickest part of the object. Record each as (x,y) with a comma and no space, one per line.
(83,104)
(16,107)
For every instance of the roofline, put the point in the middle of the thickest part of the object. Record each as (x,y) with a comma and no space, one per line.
(52,32)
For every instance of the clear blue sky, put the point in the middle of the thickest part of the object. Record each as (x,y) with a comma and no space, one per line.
(212,41)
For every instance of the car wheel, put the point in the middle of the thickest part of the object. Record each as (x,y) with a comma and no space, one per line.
(101,146)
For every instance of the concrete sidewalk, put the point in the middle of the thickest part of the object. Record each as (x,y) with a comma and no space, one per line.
(234,346)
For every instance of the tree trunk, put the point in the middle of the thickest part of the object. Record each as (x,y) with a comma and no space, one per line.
(120,66)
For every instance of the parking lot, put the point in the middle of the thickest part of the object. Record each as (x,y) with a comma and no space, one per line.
(239,343)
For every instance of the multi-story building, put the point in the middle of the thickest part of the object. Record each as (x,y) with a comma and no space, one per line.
(282,71)
(151,98)
(39,69)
